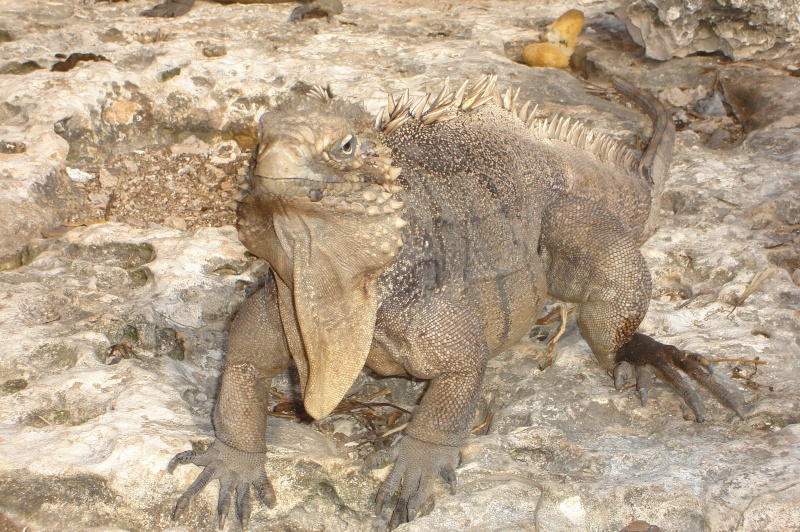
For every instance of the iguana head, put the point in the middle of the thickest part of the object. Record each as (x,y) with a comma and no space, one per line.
(324,210)
(324,154)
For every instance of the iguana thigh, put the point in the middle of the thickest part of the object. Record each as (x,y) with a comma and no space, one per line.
(590,259)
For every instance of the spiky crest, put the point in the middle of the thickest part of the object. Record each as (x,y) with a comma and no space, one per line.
(446,105)
(578,134)
(323,94)
(574,133)
(443,107)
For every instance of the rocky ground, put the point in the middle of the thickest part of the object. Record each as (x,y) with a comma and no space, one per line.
(120,271)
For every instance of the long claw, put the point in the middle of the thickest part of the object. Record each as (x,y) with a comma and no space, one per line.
(180,458)
(223,505)
(208,474)
(694,368)
(686,412)
(265,491)
(643,393)
(236,471)
(180,506)
(449,476)
(243,505)
(186,457)
(380,500)
(416,466)
(670,375)
(400,514)
(411,483)
(644,382)
(388,487)
(422,494)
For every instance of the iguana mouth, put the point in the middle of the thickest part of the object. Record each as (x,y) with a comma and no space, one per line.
(366,198)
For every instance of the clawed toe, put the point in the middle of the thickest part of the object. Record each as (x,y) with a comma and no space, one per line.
(416,466)
(642,359)
(627,375)
(236,471)
(623,375)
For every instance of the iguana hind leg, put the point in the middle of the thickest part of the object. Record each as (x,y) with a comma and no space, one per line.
(257,352)
(590,259)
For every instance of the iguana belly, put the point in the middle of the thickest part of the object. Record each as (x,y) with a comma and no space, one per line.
(507,303)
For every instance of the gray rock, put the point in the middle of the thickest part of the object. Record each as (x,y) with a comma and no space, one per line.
(711,105)
(35,194)
(740,29)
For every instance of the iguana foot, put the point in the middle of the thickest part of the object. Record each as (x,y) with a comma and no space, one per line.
(170,8)
(643,358)
(416,465)
(320,8)
(236,471)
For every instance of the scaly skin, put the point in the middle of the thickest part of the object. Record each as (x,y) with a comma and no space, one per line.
(430,270)
(307,8)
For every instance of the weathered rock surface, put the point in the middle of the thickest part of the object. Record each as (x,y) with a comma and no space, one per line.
(738,28)
(112,335)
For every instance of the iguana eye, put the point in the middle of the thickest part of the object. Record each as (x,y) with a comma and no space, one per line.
(347,148)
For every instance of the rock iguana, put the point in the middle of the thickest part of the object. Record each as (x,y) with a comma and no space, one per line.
(421,243)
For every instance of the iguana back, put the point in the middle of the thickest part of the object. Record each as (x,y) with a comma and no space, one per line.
(476,184)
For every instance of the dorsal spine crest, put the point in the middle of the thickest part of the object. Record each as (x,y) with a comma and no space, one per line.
(447,104)
(444,107)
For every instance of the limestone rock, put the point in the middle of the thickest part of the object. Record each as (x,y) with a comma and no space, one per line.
(738,28)
(36,191)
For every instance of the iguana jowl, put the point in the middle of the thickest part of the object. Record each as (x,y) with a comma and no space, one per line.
(422,244)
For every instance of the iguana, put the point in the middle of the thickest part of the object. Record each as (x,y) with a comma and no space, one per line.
(307,8)
(421,243)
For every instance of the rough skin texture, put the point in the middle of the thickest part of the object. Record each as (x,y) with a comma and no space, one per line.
(307,8)
(421,244)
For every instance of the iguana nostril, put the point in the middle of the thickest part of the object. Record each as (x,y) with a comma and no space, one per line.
(315,195)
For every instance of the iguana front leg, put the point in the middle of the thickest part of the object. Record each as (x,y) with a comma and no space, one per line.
(257,352)
(590,259)
(443,341)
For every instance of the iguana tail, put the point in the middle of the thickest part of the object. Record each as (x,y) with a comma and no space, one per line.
(654,165)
